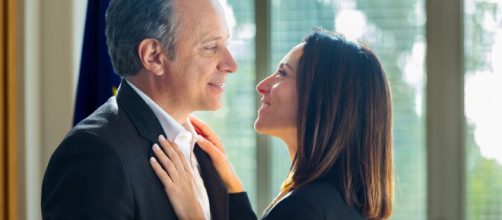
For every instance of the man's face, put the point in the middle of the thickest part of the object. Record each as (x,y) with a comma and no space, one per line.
(198,74)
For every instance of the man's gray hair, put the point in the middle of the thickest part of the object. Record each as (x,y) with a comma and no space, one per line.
(128,22)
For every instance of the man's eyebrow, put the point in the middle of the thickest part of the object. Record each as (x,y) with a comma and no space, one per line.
(215,38)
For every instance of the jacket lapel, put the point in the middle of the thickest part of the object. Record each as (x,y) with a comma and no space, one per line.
(139,112)
(149,128)
(216,190)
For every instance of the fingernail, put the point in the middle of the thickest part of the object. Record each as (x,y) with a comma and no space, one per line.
(156,146)
(153,160)
(198,138)
(162,138)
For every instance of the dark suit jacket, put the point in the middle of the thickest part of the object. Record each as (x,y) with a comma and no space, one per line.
(319,200)
(101,170)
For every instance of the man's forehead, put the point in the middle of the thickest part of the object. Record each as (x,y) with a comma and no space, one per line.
(195,7)
(208,26)
(194,12)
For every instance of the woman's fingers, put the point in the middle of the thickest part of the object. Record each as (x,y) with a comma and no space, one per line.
(161,173)
(196,123)
(167,163)
(204,130)
(210,149)
(178,183)
(174,155)
(179,155)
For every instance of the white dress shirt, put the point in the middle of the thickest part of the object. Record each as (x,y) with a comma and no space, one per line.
(185,138)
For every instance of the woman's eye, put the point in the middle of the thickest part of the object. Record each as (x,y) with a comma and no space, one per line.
(283,73)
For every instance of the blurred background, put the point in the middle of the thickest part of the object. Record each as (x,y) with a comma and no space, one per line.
(440,57)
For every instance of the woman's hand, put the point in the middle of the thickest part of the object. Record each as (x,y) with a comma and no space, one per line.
(211,144)
(175,174)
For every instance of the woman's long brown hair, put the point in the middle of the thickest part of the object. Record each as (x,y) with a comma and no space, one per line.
(344,124)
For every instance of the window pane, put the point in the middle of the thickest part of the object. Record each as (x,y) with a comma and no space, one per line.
(234,122)
(483,108)
(395,29)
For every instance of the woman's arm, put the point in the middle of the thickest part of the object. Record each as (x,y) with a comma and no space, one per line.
(211,144)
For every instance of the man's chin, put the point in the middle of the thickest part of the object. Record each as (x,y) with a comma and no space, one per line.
(212,106)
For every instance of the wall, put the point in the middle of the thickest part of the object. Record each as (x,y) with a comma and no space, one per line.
(51,39)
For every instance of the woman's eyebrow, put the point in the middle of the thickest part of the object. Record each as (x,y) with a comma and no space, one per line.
(287,65)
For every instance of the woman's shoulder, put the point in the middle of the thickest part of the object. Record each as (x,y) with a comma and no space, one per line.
(319,189)
(317,200)
(294,206)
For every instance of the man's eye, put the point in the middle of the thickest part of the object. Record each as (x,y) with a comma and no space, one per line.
(211,47)
(209,50)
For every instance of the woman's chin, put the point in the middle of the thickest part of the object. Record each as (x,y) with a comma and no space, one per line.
(260,128)
(257,128)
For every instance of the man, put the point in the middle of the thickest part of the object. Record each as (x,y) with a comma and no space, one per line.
(173,58)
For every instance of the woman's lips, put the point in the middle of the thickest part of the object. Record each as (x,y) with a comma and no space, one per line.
(264,105)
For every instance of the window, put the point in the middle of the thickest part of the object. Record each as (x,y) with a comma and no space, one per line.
(234,122)
(483,108)
(395,29)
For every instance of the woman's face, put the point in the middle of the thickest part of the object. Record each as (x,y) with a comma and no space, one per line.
(277,115)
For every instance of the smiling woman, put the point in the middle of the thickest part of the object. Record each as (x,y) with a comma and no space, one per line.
(393,28)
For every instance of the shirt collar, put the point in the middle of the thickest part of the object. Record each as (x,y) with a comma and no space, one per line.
(172,128)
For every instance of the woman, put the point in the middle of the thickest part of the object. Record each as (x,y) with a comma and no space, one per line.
(329,101)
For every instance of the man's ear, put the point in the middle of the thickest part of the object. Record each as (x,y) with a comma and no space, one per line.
(152,56)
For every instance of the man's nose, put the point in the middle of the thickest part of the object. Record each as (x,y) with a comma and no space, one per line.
(228,63)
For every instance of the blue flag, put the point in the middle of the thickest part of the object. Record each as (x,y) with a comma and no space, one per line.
(97,81)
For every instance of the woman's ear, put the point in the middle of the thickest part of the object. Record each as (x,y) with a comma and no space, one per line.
(151,53)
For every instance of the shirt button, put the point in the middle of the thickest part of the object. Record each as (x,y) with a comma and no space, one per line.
(185,137)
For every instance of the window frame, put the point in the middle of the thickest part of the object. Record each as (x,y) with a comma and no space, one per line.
(445,110)
(445,121)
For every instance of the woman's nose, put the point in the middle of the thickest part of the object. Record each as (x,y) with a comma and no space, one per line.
(263,86)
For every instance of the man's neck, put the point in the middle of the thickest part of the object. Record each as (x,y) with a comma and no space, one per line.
(158,94)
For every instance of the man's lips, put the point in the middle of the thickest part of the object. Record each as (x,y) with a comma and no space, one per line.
(218,84)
